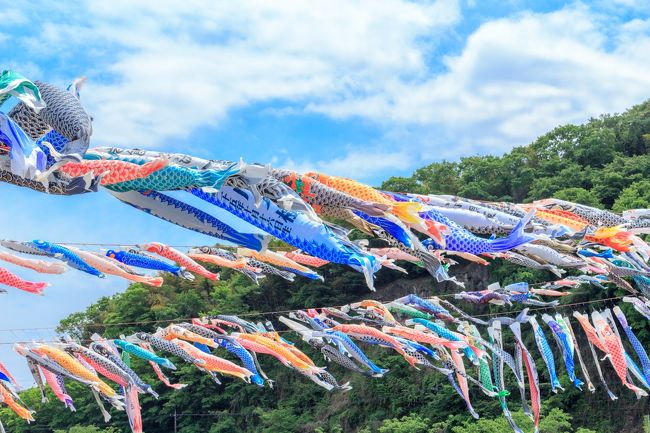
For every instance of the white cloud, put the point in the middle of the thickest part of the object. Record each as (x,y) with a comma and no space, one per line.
(164,69)
(626,5)
(356,164)
(12,16)
(176,66)
(516,78)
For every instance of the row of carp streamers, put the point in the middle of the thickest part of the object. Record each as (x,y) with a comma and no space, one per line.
(424,336)
(154,256)
(44,145)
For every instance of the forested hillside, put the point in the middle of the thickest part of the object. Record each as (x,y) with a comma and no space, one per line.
(605,163)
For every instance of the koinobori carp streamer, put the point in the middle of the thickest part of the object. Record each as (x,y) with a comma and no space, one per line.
(395,325)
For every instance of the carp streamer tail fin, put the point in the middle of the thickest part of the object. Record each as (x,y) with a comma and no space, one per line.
(394,228)
(182,273)
(34,287)
(437,231)
(155,281)
(433,266)
(366,266)
(407,211)
(515,238)
(310,275)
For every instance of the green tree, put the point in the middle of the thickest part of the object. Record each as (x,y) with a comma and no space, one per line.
(407,424)
(578,195)
(634,196)
(556,421)
(439,178)
(402,184)
(88,429)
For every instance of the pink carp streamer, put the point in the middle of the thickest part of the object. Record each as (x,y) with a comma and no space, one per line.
(10,279)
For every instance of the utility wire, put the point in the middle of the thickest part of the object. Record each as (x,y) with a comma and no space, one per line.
(99,244)
(245,314)
(508,313)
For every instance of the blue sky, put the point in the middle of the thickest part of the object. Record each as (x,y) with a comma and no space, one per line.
(366,89)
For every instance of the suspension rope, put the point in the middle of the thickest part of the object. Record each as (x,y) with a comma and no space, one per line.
(147,322)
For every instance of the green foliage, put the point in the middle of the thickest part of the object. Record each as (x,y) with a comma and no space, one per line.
(590,163)
(556,421)
(407,424)
(578,195)
(88,429)
(634,196)
(484,425)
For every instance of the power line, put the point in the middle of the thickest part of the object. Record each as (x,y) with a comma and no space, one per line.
(245,314)
(508,313)
(100,244)
(552,307)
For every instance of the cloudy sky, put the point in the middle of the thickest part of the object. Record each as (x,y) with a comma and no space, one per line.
(366,89)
